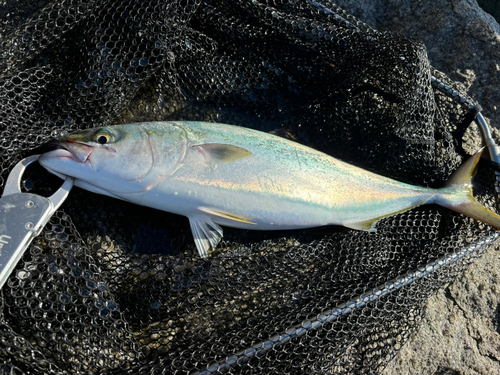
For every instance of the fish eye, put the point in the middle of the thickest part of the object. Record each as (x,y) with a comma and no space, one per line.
(104,136)
(102,139)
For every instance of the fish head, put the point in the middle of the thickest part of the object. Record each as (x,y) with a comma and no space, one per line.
(116,160)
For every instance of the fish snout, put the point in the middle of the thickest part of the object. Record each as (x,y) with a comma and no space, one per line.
(78,151)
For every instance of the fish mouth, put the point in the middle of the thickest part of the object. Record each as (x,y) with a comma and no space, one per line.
(73,150)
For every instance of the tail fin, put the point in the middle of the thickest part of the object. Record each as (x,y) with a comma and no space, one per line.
(458,194)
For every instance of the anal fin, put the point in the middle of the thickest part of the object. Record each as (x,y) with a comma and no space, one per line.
(369,224)
(206,234)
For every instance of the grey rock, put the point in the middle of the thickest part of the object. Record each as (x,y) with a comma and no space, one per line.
(460,333)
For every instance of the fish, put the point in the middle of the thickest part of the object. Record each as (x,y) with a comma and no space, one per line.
(225,175)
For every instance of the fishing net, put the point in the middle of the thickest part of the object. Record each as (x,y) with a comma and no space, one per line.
(111,287)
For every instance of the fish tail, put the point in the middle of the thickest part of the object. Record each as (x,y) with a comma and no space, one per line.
(457,194)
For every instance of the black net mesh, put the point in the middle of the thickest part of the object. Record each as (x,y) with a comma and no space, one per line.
(110,287)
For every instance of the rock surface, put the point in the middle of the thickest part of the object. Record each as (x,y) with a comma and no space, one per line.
(460,333)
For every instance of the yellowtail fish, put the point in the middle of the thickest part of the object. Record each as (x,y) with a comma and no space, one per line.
(227,175)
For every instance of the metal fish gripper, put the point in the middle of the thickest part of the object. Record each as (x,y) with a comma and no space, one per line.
(23,216)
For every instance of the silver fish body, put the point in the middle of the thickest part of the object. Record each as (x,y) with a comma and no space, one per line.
(233,176)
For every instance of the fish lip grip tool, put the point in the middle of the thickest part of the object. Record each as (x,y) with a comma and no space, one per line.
(23,216)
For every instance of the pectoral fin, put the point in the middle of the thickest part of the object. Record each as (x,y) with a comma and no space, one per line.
(222,153)
(206,234)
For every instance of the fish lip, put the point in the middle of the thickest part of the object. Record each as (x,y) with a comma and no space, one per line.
(71,149)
